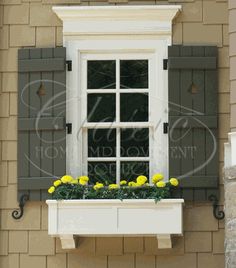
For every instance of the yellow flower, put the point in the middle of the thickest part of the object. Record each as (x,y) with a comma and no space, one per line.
(123,182)
(74,181)
(174,182)
(157,177)
(51,189)
(66,179)
(98,186)
(83,182)
(141,180)
(160,184)
(132,184)
(113,186)
(57,183)
(84,178)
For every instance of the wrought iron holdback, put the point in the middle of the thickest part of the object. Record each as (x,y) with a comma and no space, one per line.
(218,214)
(18,213)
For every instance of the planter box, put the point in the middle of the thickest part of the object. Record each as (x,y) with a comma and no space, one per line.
(67,218)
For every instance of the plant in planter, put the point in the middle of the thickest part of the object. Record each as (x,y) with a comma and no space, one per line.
(69,188)
(127,208)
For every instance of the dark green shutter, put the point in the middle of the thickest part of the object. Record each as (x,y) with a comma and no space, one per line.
(193,137)
(41,119)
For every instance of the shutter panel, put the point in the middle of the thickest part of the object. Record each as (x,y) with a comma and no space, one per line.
(193,152)
(41,120)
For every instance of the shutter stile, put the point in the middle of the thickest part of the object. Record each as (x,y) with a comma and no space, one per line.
(193,122)
(41,120)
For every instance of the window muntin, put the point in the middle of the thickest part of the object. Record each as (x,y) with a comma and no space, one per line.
(118,127)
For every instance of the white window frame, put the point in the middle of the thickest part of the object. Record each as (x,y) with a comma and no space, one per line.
(117,29)
(153,113)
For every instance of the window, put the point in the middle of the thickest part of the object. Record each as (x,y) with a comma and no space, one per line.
(117,121)
(117,92)
(118,107)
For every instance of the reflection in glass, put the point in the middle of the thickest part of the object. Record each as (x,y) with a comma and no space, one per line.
(134,107)
(104,172)
(131,170)
(134,142)
(101,74)
(101,107)
(101,142)
(134,73)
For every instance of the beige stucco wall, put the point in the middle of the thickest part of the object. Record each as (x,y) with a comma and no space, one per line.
(25,243)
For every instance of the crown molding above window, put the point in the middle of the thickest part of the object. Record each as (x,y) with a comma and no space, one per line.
(110,20)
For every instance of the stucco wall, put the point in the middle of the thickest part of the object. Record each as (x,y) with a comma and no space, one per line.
(25,243)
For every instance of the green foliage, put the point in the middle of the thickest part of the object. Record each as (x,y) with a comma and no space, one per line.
(77,191)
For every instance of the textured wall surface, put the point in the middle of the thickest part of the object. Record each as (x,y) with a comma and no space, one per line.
(230,219)
(25,243)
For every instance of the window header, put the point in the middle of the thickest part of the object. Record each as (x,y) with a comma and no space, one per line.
(148,19)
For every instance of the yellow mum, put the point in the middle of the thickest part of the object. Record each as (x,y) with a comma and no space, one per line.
(113,186)
(57,183)
(157,177)
(160,184)
(98,186)
(141,180)
(132,184)
(174,182)
(84,178)
(74,181)
(66,179)
(51,189)
(83,182)
(123,182)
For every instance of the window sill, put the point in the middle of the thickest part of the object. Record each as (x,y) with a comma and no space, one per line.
(68,218)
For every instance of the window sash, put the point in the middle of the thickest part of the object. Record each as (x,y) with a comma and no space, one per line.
(78,50)
(117,124)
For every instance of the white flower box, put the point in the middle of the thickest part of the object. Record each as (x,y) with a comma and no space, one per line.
(144,217)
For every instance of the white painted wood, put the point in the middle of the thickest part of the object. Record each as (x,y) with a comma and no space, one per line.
(164,241)
(230,150)
(107,20)
(155,117)
(232,137)
(67,241)
(76,108)
(227,154)
(52,226)
(116,217)
(133,31)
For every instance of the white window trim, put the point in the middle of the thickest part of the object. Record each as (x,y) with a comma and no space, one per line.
(153,114)
(116,29)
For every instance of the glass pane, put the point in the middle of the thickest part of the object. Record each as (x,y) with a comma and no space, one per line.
(101,74)
(134,107)
(101,107)
(104,172)
(134,142)
(131,170)
(101,143)
(134,74)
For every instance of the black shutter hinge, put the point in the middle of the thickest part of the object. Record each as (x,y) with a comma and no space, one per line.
(69,65)
(165,127)
(69,128)
(165,64)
